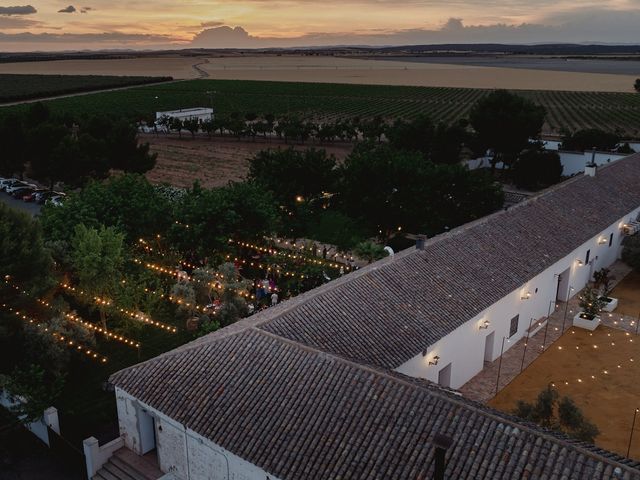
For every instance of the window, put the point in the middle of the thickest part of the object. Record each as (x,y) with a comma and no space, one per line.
(513,329)
(586,259)
(611,239)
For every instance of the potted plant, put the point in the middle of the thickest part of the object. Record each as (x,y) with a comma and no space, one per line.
(602,280)
(590,307)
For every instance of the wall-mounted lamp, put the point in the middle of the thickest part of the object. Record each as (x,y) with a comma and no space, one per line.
(484,325)
(434,361)
(526,296)
(580,263)
(603,241)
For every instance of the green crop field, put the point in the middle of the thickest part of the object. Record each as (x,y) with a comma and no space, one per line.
(570,110)
(15,88)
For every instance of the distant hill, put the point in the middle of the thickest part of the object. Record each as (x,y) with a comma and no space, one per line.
(560,49)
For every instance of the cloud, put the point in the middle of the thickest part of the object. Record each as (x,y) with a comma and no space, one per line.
(18,10)
(107,39)
(212,23)
(86,9)
(17,23)
(586,25)
(226,37)
(69,9)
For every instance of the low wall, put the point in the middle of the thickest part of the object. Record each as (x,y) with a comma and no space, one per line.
(38,427)
(96,456)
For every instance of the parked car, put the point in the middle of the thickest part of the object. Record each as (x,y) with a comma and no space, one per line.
(31,197)
(4,182)
(56,200)
(18,185)
(43,196)
(21,192)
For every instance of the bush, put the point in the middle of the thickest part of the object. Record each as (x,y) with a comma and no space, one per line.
(561,414)
(590,138)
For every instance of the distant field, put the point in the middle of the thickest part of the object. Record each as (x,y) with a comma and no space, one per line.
(528,62)
(572,110)
(337,69)
(15,88)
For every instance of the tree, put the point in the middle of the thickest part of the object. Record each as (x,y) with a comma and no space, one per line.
(242,210)
(416,135)
(561,414)
(537,168)
(13,141)
(43,143)
(294,176)
(192,125)
(177,125)
(232,305)
(590,301)
(369,251)
(636,85)
(589,139)
(33,393)
(602,281)
(335,228)
(23,256)
(389,190)
(128,202)
(505,122)
(123,150)
(97,257)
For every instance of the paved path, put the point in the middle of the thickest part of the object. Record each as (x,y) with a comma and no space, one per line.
(484,386)
(32,209)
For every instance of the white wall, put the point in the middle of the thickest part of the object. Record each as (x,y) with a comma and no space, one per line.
(574,162)
(183,452)
(37,427)
(464,347)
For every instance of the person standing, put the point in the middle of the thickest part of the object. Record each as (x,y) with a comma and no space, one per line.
(274,299)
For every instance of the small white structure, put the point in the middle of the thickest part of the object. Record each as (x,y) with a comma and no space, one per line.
(581,321)
(200,113)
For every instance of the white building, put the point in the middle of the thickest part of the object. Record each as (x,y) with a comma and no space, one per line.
(201,113)
(342,381)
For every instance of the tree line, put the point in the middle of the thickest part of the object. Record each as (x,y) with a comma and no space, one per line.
(52,148)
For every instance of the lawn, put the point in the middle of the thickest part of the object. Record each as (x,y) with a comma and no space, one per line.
(599,371)
(572,110)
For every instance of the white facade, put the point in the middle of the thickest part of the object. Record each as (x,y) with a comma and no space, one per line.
(574,162)
(181,451)
(462,353)
(202,114)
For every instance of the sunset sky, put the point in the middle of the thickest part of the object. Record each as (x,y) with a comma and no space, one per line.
(93,24)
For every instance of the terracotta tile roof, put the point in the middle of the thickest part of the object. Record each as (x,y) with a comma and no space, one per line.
(390,311)
(299,413)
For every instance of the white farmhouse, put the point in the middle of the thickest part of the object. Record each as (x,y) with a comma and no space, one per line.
(200,113)
(353,380)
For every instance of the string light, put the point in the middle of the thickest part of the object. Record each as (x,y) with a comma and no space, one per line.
(136,316)
(80,321)
(273,251)
(74,345)
(185,276)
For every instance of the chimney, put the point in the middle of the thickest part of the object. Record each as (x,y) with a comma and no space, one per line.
(442,444)
(591,167)
(420,241)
